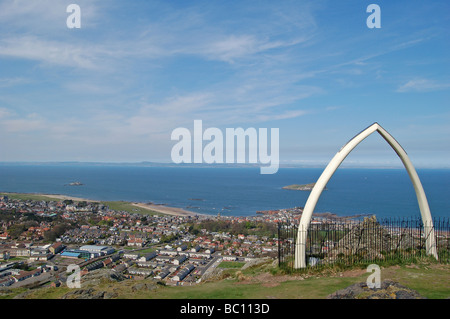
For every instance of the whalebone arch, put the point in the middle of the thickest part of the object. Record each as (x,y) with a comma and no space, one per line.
(300,246)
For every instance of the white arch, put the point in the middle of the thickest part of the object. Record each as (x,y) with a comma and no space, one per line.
(300,247)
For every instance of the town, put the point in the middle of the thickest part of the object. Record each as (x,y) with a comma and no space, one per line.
(40,239)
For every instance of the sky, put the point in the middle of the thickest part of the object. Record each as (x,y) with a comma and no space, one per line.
(114,89)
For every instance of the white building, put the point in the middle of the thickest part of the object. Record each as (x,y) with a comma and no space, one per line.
(183,273)
(140,271)
(132,256)
(179,260)
(168,252)
(195,249)
(96,251)
(229,258)
(147,257)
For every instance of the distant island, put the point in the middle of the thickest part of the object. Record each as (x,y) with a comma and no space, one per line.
(75,184)
(303,187)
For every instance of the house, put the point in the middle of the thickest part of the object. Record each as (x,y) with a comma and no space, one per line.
(22,275)
(115,257)
(183,273)
(18,252)
(168,252)
(163,259)
(200,255)
(56,248)
(132,256)
(138,242)
(145,264)
(163,274)
(120,268)
(107,262)
(95,265)
(140,271)
(96,251)
(8,281)
(4,236)
(195,249)
(229,258)
(179,259)
(40,257)
(147,257)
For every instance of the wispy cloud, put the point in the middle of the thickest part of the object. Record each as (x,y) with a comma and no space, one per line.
(422,85)
(11,123)
(10,82)
(45,16)
(135,71)
(50,52)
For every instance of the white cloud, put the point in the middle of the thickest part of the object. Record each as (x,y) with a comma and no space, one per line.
(422,85)
(4,112)
(9,82)
(51,52)
(30,123)
(45,16)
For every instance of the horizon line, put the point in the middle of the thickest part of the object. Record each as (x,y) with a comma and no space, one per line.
(216,165)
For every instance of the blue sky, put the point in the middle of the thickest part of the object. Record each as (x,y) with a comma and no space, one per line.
(116,88)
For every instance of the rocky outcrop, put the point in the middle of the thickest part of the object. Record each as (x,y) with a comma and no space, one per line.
(90,293)
(388,290)
(369,239)
(91,281)
(144,287)
(256,262)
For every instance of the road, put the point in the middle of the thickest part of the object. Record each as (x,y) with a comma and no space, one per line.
(211,266)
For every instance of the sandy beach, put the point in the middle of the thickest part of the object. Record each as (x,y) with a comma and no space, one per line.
(65,197)
(166,209)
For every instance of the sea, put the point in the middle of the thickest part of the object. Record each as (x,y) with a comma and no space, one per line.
(235,191)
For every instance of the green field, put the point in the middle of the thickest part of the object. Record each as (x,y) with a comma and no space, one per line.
(35,197)
(231,264)
(129,207)
(114,205)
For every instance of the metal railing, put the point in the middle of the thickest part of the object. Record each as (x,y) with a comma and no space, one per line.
(350,242)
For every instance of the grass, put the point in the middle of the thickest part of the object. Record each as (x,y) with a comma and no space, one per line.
(114,205)
(129,207)
(231,264)
(147,250)
(35,197)
(430,280)
(313,288)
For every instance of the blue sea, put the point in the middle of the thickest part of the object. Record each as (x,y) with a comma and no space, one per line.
(235,191)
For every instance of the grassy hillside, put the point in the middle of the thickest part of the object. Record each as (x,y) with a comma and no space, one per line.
(261,282)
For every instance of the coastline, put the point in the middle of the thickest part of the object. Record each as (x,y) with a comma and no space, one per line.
(166,210)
